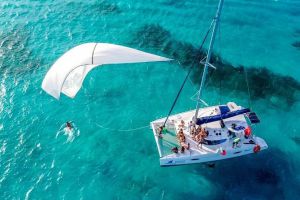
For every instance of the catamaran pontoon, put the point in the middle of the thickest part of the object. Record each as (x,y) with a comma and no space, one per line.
(227,127)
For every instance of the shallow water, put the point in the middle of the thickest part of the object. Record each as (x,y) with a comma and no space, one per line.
(37,160)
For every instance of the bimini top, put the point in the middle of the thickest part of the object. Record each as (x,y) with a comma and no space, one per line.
(68,72)
(225,113)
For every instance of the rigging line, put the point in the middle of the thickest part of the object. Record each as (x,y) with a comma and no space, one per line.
(190,70)
(221,77)
(194,87)
(248,88)
(122,130)
(220,90)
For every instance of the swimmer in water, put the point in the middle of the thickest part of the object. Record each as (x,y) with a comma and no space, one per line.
(69,126)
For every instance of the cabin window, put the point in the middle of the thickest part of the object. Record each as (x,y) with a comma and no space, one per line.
(213,142)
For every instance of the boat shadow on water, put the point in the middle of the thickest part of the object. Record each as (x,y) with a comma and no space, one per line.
(268,173)
(279,90)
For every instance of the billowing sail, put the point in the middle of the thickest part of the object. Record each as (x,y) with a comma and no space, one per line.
(67,74)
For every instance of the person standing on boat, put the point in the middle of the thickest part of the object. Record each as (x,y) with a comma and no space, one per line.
(160,131)
(193,132)
(190,126)
(182,124)
(182,140)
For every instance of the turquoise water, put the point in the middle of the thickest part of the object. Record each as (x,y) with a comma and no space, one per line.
(39,161)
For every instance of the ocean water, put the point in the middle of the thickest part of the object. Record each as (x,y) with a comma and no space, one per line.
(102,159)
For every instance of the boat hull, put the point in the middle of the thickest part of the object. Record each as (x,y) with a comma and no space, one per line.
(209,152)
(194,159)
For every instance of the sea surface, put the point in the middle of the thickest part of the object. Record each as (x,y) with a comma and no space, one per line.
(112,153)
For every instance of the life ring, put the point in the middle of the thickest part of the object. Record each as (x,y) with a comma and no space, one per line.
(247,132)
(224,152)
(256,149)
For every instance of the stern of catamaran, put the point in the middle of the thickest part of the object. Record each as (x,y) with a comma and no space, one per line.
(261,142)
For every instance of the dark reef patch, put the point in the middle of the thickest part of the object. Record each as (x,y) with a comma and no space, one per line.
(15,56)
(296,139)
(99,7)
(262,82)
(265,173)
(295,12)
(266,176)
(242,22)
(174,3)
(297,32)
(296,44)
(104,7)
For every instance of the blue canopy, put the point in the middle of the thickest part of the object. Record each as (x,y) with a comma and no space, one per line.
(223,115)
(253,118)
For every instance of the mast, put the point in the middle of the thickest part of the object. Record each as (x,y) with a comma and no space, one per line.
(207,64)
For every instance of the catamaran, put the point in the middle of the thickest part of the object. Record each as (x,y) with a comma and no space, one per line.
(202,135)
(209,133)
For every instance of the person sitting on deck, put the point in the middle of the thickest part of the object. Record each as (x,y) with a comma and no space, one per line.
(235,142)
(182,149)
(175,150)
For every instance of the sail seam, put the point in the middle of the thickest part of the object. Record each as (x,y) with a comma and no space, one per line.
(93,53)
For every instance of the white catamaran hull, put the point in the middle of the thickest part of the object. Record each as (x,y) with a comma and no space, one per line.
(198,153)
(189,159)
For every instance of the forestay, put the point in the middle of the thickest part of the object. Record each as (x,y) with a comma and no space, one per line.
(67,74)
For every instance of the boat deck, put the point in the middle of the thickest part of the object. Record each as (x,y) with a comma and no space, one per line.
(169,139)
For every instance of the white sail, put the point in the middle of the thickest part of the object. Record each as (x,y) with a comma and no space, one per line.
(67,74)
